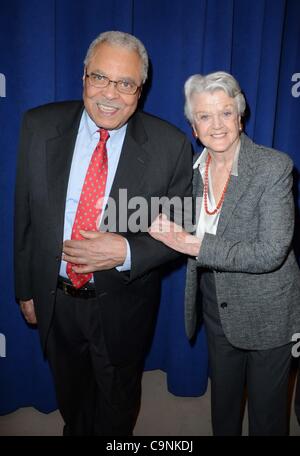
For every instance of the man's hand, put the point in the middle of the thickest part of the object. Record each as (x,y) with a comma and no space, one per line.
(96,252)
(27,309)
(174,236)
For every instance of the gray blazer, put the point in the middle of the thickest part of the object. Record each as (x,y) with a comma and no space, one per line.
(256,274)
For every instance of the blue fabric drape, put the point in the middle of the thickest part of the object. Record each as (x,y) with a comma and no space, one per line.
(42,47)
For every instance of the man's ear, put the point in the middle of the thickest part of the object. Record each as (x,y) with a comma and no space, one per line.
(83,76)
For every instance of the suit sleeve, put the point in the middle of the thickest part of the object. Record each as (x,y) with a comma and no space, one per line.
(22,220)
(276,226)
(146,252)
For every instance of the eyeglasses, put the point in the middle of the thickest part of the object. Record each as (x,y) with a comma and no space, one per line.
(123,86)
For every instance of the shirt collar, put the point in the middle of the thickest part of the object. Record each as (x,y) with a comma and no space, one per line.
(200,162)
(92,128)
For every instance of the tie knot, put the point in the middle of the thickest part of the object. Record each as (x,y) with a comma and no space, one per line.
(104,135)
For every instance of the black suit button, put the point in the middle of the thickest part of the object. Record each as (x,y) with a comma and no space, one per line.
(223,305)
(57,257)
(52,292)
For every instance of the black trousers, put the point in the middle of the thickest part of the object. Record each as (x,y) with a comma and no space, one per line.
(94,396)
(265,372)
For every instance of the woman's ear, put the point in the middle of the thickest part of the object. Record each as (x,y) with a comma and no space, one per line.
(240,124)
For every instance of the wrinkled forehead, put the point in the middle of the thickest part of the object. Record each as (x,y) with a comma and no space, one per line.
(211,101)
(116,61)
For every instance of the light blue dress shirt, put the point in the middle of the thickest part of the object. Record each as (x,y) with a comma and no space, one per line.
(87,139)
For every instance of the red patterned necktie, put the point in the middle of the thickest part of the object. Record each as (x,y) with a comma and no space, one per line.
(90,203)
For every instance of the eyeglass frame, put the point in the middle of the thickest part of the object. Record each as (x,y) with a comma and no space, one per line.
(86,75)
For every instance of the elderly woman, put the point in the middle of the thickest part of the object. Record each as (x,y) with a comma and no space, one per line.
(240,259)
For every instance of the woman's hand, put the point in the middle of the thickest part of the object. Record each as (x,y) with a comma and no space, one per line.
(174,236)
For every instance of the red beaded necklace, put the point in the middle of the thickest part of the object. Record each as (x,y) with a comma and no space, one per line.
(205,192)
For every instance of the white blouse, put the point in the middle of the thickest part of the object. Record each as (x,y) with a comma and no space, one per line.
(209,223)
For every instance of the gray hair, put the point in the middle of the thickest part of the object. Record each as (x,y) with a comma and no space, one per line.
(122,39)
(220,80)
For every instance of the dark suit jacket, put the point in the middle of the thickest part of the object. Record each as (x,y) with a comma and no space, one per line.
(156,160)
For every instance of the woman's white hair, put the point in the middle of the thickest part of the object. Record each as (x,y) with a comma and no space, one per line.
(122,39)
(220,80)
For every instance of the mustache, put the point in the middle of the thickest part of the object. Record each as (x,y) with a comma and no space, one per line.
(109,104)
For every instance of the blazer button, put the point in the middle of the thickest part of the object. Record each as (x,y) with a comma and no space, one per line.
(223,305)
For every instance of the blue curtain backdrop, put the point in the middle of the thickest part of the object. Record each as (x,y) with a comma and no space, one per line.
(42,47)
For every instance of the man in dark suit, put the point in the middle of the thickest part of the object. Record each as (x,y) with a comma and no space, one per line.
(95,336)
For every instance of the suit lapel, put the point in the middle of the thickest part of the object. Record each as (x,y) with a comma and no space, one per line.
(197,184)
(133,160)
(132,164)
(59,152)
(237,184)
(197,194)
